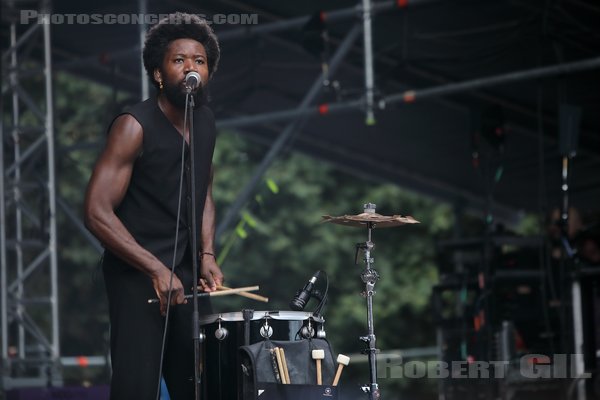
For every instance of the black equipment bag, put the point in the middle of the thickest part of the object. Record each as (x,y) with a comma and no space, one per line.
(259,371)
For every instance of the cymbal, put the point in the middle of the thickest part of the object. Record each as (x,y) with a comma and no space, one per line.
(378,220)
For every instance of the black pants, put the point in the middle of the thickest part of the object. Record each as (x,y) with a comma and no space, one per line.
(136,334)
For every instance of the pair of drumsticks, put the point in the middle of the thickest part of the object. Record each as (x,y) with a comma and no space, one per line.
(280,369)
(244,292)
(225,291)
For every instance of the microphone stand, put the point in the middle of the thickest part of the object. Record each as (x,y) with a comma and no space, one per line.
(196,337)
(568,260)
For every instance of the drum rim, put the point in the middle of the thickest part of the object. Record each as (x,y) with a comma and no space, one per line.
(258,315)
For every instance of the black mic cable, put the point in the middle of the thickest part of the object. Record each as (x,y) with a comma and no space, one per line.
(164,337)
(321,306)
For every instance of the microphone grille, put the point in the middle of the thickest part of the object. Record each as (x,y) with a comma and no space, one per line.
(193,79)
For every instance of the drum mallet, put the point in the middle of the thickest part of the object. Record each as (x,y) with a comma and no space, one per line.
(318,355)
(342,361)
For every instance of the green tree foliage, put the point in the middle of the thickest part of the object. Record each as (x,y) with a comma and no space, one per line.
(288,243)
(82,112)
(278,244)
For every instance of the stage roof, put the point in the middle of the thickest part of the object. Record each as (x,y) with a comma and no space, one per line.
(426,145)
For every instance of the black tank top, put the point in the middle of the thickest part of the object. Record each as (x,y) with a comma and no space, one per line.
(149,208)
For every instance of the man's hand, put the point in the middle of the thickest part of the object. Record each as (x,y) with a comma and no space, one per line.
(210,273)
(160,280)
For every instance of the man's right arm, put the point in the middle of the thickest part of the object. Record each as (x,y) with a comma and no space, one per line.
(106,190)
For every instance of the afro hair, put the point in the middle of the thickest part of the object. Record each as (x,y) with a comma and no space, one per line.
(179,26)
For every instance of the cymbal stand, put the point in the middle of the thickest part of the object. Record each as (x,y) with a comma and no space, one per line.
(370,277)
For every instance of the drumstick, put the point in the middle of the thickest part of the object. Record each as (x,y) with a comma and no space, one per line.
(285,368)
(280,365)
(227,292)
(232,290)
(248,295)
(274,365)
(211,294)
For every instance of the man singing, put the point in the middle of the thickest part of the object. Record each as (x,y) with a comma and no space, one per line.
(138,205)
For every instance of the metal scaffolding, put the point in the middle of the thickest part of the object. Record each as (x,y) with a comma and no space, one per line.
(28,238)
(29,289)
(294,125)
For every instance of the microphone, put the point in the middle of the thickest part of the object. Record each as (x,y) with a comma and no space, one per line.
(303,296)
(192,80)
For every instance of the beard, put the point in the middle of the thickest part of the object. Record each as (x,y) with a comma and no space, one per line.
(176,95)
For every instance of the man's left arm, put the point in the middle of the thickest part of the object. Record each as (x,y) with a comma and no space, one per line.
(210,273)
